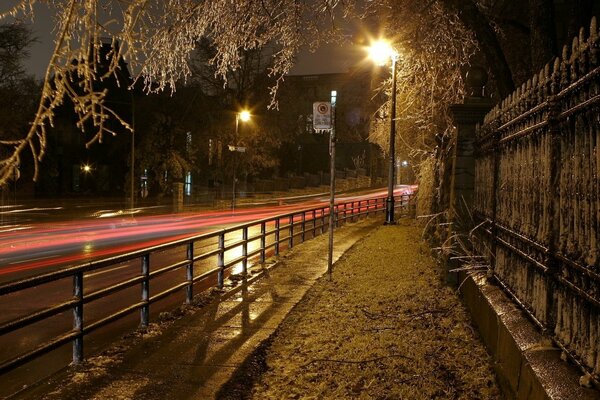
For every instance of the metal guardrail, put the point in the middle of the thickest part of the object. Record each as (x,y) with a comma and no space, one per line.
(273,232)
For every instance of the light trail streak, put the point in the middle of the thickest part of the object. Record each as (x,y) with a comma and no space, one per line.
(68,242)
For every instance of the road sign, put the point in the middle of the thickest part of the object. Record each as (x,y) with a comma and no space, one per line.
(239,149)
(321,116)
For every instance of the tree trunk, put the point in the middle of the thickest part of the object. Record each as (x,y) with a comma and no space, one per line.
(473,19)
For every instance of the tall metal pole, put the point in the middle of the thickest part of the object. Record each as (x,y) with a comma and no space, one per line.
(389,203)
(332,140)
(132,177)
(237,123)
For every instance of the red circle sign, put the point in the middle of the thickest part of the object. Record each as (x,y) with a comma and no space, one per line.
(323,108)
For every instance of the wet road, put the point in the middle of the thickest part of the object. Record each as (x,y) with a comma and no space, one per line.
(30,248)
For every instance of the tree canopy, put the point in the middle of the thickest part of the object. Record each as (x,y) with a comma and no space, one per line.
(438,39)
(156,38)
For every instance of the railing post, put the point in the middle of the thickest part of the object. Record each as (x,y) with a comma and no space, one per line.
(145,310)
(245,250)
(368,206)
(78,317)
(322,220)
(277,236)
(189,290)
(221,261)
(303,235)
(263,241)
(291,231)
(314,227)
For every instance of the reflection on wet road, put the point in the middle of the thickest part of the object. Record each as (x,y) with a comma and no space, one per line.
(27,249)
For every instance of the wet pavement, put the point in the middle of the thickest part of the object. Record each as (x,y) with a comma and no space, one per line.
(198,353)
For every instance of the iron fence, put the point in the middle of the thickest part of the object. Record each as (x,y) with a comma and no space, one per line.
(205,258)
(537,197)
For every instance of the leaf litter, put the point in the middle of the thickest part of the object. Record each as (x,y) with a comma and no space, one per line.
(386,326)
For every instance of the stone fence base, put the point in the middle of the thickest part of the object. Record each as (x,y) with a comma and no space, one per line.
(527,365)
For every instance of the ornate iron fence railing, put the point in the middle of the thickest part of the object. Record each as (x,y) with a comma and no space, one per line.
(537,184)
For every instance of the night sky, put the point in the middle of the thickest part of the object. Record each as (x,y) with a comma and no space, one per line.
(328,59)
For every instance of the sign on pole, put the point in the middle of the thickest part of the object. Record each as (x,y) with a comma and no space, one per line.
(322,116)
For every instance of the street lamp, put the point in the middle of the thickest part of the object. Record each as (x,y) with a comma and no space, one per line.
(380,52)
(243,116)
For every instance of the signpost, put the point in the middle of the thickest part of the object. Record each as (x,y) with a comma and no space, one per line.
(235,150)
(324,120)
(322,116)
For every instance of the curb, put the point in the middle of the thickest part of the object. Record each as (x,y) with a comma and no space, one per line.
(527,364)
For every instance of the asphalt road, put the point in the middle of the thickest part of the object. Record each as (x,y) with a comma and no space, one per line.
(28,248)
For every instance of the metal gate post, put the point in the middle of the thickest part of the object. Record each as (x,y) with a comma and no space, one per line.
(303,237)
(277,236)
(145,310)
(291,231)
(245,250)
(189,290)
(263,241)
(221,261)
(78,318)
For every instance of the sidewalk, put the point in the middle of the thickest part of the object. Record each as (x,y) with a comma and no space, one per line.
(196,354)
(384,327)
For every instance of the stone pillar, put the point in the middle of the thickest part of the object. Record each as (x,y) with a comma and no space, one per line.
(466,117)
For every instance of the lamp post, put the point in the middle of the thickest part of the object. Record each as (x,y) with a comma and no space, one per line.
(243,116)
(380,52)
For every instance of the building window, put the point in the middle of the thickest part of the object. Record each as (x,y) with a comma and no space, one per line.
(188,184)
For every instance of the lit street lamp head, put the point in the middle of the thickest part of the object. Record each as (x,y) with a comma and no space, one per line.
(244,115)
(381,51)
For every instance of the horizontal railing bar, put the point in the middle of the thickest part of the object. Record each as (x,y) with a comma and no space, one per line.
(271,232)
(231,263)
(112,289)
(205,275)
(38,351)
(577,266)
(167,292)
(254,252)
(234,245)
(578,291)
(113,317)
(524,255)
(522,238)
(255,237)
(523,306)
(268,246)
(284,227)
(22,322)
(168,268)
(206,255)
